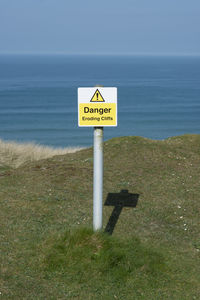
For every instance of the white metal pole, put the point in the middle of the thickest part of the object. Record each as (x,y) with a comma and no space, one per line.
(98,178)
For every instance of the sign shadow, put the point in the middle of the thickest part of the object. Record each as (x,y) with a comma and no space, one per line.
(119,200)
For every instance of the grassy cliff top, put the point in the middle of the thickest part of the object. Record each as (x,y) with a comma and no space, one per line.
(154,251)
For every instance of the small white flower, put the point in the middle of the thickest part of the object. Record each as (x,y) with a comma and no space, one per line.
(179,206)
(185,228)
(181,217)
(184,224)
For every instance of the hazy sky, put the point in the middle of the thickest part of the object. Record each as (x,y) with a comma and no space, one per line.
(105,26)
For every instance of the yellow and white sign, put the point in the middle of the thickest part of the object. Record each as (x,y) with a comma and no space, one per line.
(97,106)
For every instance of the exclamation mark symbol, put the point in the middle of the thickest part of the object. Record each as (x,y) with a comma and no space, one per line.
(97,96)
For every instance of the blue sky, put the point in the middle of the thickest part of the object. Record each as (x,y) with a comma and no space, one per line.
(100,27)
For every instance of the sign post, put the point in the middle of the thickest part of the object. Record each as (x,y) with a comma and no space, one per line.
(97,107)
(98,178)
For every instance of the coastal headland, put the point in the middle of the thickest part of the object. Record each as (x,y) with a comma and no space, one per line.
(48,250)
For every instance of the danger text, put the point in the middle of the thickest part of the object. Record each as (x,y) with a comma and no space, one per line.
(99,111)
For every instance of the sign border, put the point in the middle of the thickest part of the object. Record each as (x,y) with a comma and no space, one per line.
(89,101)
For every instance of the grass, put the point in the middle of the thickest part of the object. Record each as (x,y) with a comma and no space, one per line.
(13,154)
(48,250)
(98,261)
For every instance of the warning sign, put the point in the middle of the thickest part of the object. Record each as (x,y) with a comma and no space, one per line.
(97,107)
(97,97)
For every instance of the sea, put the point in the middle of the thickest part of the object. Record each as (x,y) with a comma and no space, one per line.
(158,96)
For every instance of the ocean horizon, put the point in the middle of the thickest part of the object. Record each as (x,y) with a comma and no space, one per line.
(158,96)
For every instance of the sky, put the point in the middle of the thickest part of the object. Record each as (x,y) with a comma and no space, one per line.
(100,27)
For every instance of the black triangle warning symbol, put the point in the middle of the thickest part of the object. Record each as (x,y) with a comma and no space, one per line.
(97,97)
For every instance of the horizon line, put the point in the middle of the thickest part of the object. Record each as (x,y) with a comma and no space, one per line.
(103,54)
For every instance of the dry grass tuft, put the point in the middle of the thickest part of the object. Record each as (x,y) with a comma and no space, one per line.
(14,154)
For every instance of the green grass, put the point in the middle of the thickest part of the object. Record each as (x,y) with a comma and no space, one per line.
(47,247)
(103,263)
